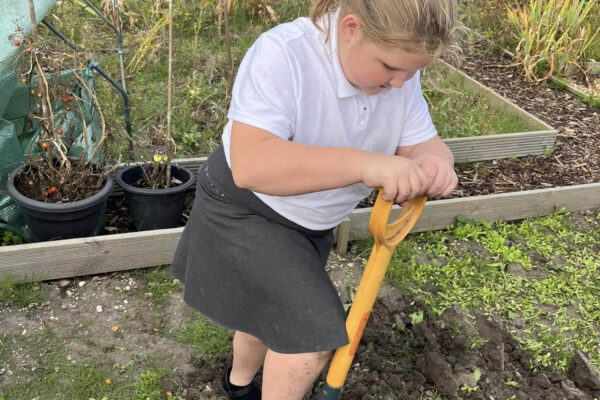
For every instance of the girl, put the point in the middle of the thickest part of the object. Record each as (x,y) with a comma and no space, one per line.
(323,109)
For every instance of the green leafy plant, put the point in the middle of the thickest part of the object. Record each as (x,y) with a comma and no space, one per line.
(416,317)
(9,238)
(468,389)
(553,35)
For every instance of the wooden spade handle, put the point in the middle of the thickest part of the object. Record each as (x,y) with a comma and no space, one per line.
(387,236)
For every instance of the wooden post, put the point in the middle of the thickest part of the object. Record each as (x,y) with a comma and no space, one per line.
(343,234)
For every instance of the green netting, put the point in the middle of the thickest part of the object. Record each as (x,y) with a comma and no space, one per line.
(19,133)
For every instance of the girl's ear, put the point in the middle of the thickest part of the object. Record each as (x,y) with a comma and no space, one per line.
(350,27)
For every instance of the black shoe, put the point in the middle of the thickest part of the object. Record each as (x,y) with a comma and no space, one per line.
(248,392)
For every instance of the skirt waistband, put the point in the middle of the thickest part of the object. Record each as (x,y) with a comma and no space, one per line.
(219,172)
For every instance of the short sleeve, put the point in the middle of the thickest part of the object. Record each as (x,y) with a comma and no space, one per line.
(418,126)
(263,92)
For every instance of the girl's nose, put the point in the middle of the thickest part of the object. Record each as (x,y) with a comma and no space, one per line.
(399,78)
(396,83)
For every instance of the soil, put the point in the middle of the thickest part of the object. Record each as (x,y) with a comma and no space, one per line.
(60,184)
(155,177)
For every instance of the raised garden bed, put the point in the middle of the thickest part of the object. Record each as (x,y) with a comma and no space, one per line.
(539,139)
(92,255)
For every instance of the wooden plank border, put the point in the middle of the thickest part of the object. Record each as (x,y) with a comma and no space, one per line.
(85,256)
(438,214)
(92,255)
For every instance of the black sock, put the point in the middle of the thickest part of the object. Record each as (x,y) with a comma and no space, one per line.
(235,387)
(235,392)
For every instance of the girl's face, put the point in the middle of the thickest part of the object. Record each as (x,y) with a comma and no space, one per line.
(372,68)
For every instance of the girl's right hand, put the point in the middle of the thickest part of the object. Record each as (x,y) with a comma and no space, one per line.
(400,178)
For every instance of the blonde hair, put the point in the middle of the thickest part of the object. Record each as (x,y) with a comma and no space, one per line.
(425,26)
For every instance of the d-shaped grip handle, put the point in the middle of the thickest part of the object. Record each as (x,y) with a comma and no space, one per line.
(389,235)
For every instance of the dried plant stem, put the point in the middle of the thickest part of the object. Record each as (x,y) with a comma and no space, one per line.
(45,99)
(228,47)
(33,19)
(83,124)
(95,104)
(169,96)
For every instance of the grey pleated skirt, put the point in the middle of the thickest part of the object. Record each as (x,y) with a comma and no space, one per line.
(250,269)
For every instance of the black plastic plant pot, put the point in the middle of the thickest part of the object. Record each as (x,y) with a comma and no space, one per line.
(52,221)
(155,208)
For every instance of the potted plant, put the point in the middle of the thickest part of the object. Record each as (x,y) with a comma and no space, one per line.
(62,188)
(155,191)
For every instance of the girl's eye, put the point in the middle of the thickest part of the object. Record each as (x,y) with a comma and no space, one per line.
(391,68)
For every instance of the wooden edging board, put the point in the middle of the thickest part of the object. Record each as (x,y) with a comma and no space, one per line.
(100,254)
(438,214)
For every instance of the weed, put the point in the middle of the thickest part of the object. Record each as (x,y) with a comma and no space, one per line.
(148,386)
(9,238)
(208,339)
(20,294)
(159,283)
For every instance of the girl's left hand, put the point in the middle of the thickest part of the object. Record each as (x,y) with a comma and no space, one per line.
(441,175)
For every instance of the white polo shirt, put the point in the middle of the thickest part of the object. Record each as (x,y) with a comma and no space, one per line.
(290,83)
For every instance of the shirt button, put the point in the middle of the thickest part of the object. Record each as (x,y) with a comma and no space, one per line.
(363,124)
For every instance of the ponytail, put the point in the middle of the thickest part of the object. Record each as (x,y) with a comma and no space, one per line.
(322,7)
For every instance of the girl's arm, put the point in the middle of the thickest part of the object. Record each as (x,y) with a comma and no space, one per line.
(265,163)
(437,161)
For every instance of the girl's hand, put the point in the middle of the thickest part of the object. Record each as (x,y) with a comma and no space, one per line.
(441,177)
(401,178)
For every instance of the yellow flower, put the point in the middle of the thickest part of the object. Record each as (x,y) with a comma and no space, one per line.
(157,158)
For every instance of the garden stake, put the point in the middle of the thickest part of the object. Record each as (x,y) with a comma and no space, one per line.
(387,237)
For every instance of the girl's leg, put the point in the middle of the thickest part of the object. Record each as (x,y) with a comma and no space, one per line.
(248,355)
(290,376)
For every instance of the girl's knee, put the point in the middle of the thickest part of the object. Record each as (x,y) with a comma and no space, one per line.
(247,339)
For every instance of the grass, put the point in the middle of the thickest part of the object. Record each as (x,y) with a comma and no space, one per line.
(159,285)
(200,66)
(20,294)
(54,374)
(457,111)
(208,340)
